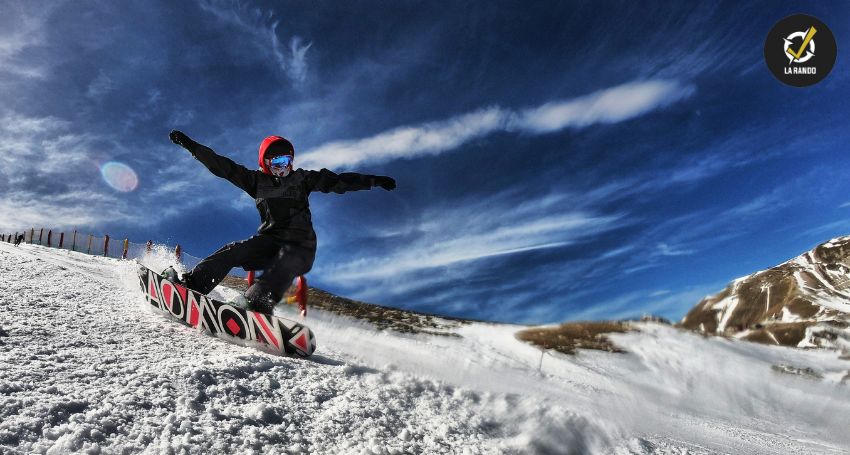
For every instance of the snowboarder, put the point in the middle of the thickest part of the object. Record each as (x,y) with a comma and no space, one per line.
(285,244)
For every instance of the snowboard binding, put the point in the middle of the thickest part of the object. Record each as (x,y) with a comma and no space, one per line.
(299,295)
(173,276)
(295,294)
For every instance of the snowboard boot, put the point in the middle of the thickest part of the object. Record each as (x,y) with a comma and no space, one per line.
(171,275)
(260,300)
(239,302)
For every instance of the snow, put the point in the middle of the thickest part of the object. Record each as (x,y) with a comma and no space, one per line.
(729,305)
(87,366)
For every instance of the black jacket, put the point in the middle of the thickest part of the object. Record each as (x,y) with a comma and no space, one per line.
(282,201)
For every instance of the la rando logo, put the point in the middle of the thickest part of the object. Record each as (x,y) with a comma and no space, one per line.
(800,50)
(804,52)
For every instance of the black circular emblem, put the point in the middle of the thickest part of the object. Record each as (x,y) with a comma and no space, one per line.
(800,50)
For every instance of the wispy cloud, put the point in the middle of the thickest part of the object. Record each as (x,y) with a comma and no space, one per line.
(408,142)
(293,59)
(50,176)
(667,250)
(834,228)
(101,85)
(637,303)
(612,105)
(24,28)
(607,106)
(262,27)
(81,207)
(497,226)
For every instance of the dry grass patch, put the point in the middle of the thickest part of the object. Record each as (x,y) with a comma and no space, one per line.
(568,337)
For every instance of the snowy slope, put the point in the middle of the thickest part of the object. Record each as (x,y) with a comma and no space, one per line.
(87,366)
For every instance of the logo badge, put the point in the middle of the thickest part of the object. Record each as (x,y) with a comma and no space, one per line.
(800,50)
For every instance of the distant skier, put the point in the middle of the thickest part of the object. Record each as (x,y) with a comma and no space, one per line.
(285,244)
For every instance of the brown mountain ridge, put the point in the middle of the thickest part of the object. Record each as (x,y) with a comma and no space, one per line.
(804,302)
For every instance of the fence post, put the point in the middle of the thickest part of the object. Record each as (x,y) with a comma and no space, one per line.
(61,240)
(106,245)
(40,235)
(149,246)
(126,246)
(49,238)
(178,252)
(32,234)
(88,251)
(74,241)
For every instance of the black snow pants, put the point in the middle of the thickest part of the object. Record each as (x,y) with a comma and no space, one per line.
(280,264)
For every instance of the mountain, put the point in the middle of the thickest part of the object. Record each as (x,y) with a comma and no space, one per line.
(804,302)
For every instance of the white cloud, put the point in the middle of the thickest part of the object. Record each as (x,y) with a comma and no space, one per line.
(407,142)
(612,105)
(606,106)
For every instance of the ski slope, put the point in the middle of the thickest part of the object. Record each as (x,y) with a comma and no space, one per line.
(87,366)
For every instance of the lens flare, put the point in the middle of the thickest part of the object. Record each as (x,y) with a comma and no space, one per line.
(119,176)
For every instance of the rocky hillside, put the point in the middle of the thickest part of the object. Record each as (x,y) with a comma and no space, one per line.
(804,302)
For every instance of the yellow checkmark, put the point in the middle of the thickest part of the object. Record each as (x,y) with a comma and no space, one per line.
(809,35)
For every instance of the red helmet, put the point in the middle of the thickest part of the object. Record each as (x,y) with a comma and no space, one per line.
(274,146)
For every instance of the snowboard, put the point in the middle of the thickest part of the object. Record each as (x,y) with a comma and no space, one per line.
(279,335)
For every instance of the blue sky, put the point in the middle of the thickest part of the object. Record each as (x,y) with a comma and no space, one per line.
(554,160)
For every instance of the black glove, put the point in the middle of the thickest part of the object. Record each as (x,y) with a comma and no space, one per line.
(180,139)
(387,183)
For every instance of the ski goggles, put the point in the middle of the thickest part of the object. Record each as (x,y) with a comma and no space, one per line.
(281,161)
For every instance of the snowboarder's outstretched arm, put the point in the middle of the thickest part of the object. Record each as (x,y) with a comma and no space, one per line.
(327,181)
(219,165)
